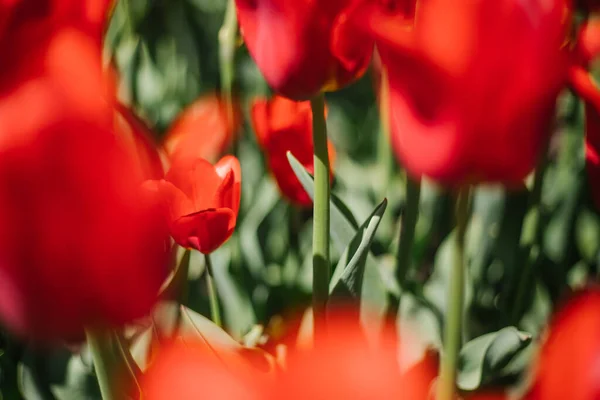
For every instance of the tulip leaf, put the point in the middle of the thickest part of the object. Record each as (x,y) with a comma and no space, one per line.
(223,346)
(239,316)
(346,283)
(489,357)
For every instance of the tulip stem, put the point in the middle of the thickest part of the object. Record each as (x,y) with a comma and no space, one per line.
(100,347)
(213,297)
(320,215)
(227,45)
(407,231)
(453,325)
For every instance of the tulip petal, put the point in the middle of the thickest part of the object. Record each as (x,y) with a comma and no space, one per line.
(204,231)
(229,192)
(196,178)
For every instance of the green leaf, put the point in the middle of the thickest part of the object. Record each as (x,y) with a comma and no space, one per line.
(487,358)
(239,316)
(346,284)
(223,346)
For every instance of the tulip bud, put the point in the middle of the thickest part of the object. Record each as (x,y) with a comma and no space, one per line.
(303,47)
(283,125)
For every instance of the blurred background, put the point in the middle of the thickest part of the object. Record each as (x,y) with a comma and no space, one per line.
(166,52)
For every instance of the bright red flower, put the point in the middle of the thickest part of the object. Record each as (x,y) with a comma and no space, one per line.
(581,81)
(78,244)
(36,19)
(362,371)
(283,125)
(587,50)
(139,140)
(588,41)
(202,201)
(204,129)
(567,366)
(471,100)
(303,47)
(191,370)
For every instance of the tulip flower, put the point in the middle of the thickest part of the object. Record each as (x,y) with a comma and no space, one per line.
(203,129)
(35,20)
(202,200)
(79,243)
(588,49)
(303,47)
(138,138)
(361,371)
(567,363)
(191,370)
(283,125)
(471,100)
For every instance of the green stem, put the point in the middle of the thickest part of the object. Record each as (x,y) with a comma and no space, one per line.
(320,216)
(407,230)
(532,241)
(100,348)
(227,45)
(453,326)
(212,292)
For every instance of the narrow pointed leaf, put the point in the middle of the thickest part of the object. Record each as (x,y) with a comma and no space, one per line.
(488,358)
(346,284)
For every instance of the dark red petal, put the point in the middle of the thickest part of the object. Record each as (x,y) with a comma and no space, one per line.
(205,230)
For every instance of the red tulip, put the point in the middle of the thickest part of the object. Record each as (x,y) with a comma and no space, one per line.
(191,370)
(582,82)
(343,367)
(202,201)
(303,47)
(283,125)
(139,140)
(587,50)
(567,366)
(78,244)
(588,41)
(360,371)
(203,129)
(471,99)
(35,19)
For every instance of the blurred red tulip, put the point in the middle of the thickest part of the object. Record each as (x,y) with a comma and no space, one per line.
(35,19)
(79,245)
(139,140)
(588,50)
(588,41)
(344,366)
(202,201)
(582,82)
(204,129)
(470,99)
(303,47)
(567,366)
(283,125)
(192,370)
